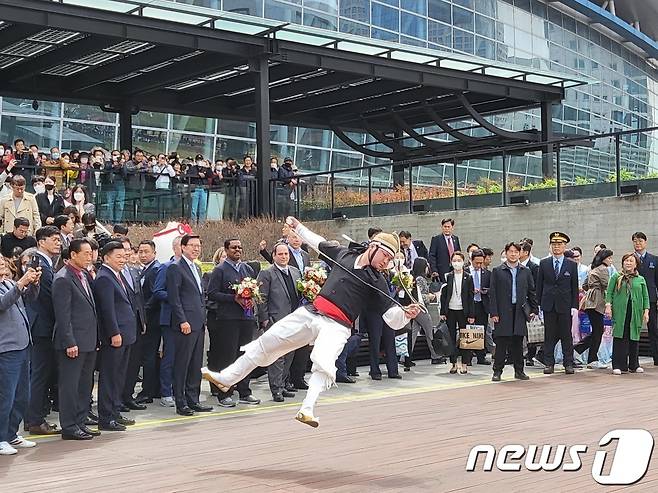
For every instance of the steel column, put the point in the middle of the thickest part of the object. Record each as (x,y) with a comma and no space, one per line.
(262,133)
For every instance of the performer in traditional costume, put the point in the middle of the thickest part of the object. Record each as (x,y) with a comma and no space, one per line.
(354,283)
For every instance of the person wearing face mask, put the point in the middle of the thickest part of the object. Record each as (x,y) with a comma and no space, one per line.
(454,308)
(512,302)
(50,203)
(247,183)
(113,186)
(197,176)
(79,200)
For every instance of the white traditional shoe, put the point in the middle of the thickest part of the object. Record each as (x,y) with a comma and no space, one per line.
(616,371)
(20,442)
(307,419)
(639,369)
(213,376)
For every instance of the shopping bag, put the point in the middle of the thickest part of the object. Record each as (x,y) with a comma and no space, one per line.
(585,324)
(442,341)
(401,345)
(471,337)
(535,331)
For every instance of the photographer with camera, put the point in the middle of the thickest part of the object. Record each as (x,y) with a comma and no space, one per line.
(42,321)
(14,355)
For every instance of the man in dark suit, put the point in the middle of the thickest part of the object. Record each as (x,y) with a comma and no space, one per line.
(411,249)
(525,259)
(478,298)
(153,336)
(75,340)
(441,249)
(132,275)
(42,320)
(117,333)
(188,319)
(649,270)
(238,327)
(557,293)
(280,298)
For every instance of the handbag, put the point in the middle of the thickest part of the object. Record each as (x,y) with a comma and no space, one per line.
(472,337)
(442,341)
(535,331)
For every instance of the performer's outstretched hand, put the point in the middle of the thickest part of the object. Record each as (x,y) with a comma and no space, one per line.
(412,311)
(291,221)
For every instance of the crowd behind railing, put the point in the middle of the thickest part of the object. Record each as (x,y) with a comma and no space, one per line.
(120,185)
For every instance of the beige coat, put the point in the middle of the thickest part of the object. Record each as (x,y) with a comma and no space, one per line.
(27,209)
(596,285)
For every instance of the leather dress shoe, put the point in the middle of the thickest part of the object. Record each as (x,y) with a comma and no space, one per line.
(144,399)
(301,385)
(185,411)
(277,398)
(125,421)
(484,362)
(376,377)
(77,435)
(521,376)
(111,426)
(123,409)
(93,416)
(200,408)
(353,373)
(397,377)
(344,379)
(496,376)
(436,361)
(44,429)
(290,387)
(288,394)
(91,432)
(90,422)
(549,370)
(132,405)
(569,370)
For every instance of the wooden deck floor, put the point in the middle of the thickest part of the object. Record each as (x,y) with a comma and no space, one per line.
(414,440)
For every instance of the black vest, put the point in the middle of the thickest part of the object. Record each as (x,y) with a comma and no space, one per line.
(292,290)
(351,295)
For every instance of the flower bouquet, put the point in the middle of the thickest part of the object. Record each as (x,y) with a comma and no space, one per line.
(403,280)
(311,282)
(248,289)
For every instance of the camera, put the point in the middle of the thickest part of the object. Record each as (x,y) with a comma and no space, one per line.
(34,262)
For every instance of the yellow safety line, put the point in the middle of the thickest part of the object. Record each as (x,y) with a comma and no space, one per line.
(325,400)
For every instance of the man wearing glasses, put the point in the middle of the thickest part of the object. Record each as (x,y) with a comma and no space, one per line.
(238,323)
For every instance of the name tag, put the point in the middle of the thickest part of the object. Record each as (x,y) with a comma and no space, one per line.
(566,274)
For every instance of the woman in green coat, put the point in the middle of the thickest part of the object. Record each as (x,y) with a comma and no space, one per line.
(627,302)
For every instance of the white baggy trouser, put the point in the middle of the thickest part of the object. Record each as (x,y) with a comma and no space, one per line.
(298,329)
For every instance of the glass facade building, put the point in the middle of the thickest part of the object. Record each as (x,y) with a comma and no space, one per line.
(532,33)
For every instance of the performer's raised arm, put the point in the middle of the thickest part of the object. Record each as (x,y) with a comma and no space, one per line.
(308,236)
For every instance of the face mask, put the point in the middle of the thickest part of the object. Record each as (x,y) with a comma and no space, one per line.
(199,163)
(78,196)
(49,187)
(55,155)
(66,161)
(39,188)
(458,265)
(2,151)
(84,160)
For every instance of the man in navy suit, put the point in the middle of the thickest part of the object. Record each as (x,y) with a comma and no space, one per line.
(188,321)
(649,270)
(411,249)
(42,321)
(557,293)
(117,326)
(153,336)
(478,297)
(441,249)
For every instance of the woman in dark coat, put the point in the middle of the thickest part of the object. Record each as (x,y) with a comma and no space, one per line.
(509,309)
(454,309)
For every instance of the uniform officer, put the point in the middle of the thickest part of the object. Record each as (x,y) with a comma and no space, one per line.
(557,292)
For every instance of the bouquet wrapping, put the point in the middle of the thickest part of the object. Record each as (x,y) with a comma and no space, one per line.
(248,289)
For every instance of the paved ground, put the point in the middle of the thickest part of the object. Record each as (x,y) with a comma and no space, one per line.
(410,435)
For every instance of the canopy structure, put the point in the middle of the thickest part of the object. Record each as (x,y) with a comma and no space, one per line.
(127,55)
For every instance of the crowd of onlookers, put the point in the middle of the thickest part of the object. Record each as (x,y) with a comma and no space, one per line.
(125,184)
(80,304)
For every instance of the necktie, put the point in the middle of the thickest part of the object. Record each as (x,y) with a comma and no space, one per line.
(451,247)
(407,258)
(476,278)
(83,281)
(557,268)
(122,283)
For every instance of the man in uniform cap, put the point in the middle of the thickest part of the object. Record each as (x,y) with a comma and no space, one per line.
(557,293)
(354,283)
